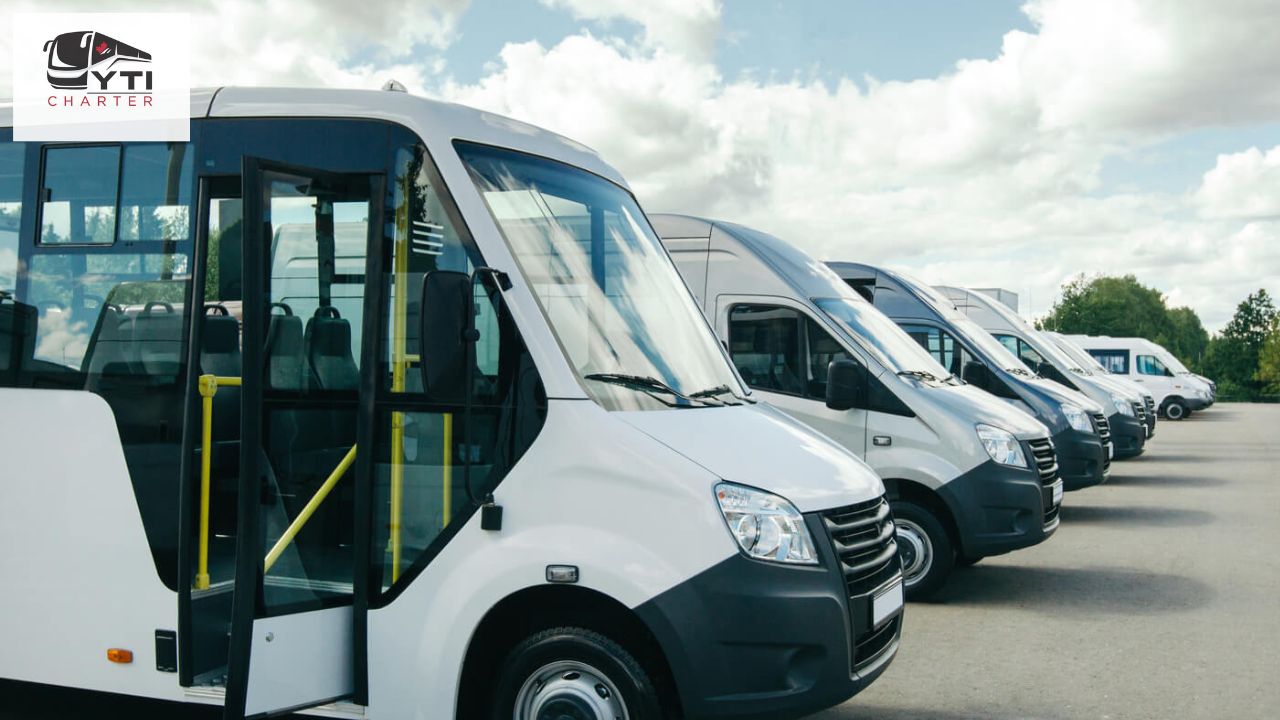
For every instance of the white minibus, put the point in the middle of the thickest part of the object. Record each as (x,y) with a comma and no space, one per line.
(1177,393)
(1091,365)
(399,408)
(968,476)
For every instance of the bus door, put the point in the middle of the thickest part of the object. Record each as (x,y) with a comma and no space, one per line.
(305,410)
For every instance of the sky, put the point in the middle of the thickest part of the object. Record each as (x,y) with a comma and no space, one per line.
(984,143)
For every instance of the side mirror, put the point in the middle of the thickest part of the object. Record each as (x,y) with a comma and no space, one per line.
(846,384)
(975,373)
(448,314)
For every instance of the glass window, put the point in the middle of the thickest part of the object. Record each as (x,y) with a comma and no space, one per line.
(942,346)
(880,334)
(1114,361)
(80,193)
(155,194)
(12,158)
(1151,365)
(603,280)
(823,350)
(1027,354)
(764,342)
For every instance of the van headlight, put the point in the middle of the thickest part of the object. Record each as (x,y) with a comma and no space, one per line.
(766,526)
(1001,445)
(1077,418)
(1122,406)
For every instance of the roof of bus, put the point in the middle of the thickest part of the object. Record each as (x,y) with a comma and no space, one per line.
(435,121)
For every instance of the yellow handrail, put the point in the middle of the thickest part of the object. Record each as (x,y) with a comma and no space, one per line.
(307,511)
(208,386)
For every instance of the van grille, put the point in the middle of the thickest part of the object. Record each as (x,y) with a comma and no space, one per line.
(1104,432)
(1150,404)
(1139,411)
(1046,460)
(863,538)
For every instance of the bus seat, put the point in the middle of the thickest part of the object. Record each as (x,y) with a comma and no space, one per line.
(157,337)
(333,367)
(220,355)
(285,356)
(110,347)
(17,337)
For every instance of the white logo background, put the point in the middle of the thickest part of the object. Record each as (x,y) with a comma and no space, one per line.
(42,112)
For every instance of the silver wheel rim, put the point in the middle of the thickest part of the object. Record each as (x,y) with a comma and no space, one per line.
(569,690)
(918,558)
(1174,411)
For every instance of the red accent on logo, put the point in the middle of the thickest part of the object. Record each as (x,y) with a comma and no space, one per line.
(102,47)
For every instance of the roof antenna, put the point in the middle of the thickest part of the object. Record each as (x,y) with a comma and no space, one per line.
(394,85)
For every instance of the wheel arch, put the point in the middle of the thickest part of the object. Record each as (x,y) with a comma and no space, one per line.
(542,607)
(923,495)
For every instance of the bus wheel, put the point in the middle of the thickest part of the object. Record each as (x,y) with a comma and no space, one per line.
(573,673)
(924,548)
(1175,410)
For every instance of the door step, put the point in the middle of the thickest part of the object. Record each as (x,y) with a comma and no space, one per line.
(211,695)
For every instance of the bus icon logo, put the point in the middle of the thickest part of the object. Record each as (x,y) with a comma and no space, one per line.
(74,55)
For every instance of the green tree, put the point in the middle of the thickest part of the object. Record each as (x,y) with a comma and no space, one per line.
(1268,374)
(1234,357)
(1117,306)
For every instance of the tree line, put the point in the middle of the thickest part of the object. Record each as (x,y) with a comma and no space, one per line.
(1243,359)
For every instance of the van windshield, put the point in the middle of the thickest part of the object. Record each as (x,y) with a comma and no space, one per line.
(991,347)
(623,317)
(893,347)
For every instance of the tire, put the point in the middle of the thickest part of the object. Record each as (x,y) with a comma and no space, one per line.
(924,547)
(1176,409)
(568,670)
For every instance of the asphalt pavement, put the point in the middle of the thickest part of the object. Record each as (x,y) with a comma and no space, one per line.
(1158,597)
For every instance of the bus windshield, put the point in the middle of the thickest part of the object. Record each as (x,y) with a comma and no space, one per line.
(882,336)
(625,320)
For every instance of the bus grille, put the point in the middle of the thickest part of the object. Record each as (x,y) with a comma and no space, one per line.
(1140,411)
(1046,460)
(863,538)
(1104,432)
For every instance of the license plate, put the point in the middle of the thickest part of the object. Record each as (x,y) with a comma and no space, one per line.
(1111,451)
(884,605)
(1147,428)
(1057,492)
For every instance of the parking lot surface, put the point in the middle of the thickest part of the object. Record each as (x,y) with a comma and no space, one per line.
(1157,597)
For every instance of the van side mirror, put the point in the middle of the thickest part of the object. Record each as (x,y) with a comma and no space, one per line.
(847,384)
(448,316)
(976,373)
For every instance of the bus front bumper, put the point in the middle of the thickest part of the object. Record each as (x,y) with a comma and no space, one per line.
(752,639)
(1128,434)
(998,508)
(1082,460)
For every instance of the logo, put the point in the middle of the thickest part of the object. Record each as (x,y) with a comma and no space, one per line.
(74,56)
(101,76)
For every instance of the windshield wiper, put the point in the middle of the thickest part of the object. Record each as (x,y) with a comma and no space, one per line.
(644,383)
(1019,371)
(716,392)
(922,374)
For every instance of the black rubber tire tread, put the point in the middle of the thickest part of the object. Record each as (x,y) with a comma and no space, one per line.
(576,643)
(944,554)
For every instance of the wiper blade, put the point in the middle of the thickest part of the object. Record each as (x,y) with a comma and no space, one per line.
(645,383)
(1018,371)
(922,374)
(716,392)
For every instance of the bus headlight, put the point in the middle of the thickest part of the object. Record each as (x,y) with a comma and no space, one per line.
(1077,418)
(1122,406)
(1001,445)
(766,526)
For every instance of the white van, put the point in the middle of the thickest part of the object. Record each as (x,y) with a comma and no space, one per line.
(967,475)
(1124,409)
(1091,365)
(1144,362)
(472,452)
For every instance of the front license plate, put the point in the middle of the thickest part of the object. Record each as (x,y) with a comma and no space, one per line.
(1057,492)
(1111,451)
(884,605)
(1148,429)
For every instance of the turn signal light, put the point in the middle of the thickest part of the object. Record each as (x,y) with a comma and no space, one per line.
(118,655)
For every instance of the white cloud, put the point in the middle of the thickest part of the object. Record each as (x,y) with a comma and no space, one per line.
(688,27)
(1242,185)
(990,173)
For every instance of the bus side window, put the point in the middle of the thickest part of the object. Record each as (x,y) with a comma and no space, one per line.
(764,342)
(1115,361)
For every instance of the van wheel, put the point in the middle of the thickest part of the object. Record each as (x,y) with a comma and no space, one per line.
(1176,409)
(573,673)
(924,547)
